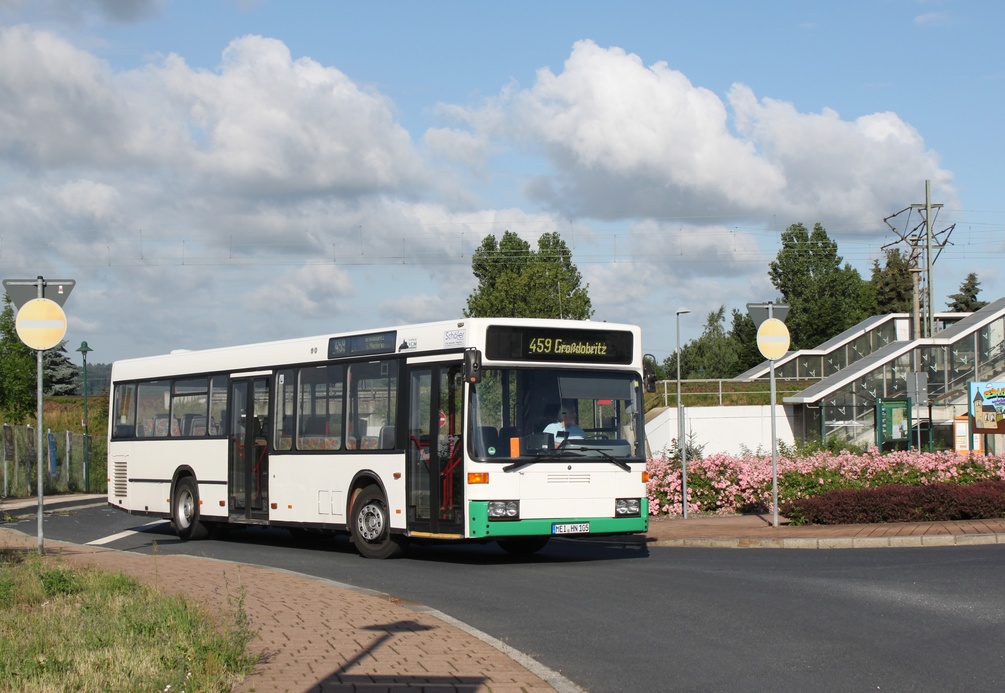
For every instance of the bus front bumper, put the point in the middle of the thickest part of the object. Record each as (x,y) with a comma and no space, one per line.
(481,527)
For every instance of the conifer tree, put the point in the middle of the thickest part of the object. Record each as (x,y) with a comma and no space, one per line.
(59,374)
(893,284)
(966,300)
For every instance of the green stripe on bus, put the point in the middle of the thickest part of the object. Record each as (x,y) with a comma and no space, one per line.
(482,528)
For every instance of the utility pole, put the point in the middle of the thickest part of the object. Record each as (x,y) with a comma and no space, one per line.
(929,295)
(928,257)
(928,242)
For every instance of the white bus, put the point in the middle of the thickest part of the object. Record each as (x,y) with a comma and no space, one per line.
(435,431)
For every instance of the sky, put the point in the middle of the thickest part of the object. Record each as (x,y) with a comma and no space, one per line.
(221,172)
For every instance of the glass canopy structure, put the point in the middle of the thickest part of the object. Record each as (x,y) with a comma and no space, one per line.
(877,360)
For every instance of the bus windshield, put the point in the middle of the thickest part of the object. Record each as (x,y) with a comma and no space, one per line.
(575,414)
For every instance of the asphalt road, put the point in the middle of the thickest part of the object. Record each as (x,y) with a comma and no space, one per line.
(614,616)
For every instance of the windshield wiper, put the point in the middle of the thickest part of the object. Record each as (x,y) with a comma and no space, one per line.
(550,457)
(606,455)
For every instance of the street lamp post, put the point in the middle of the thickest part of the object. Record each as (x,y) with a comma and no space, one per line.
(681,438)
(84,349)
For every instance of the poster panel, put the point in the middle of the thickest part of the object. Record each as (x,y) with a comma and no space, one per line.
(986,407)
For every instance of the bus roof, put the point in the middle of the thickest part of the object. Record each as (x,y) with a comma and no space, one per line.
(430,337)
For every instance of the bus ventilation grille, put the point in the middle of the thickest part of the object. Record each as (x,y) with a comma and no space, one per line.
(120,477)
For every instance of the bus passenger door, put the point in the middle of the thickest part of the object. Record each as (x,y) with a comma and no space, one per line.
(248,477)
(435,449)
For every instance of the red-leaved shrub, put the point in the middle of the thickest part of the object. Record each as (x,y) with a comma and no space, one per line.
(900,503)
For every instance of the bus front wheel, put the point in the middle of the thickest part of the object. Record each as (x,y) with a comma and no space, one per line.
(371,526)
(185,510)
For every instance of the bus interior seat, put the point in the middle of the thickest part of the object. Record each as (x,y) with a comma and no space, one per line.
(507,432)
(194,424)
(387,437)
(315,426)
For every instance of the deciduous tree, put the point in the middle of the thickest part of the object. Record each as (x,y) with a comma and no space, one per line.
(714,355)
(17,368)
(825,297)
(516,281)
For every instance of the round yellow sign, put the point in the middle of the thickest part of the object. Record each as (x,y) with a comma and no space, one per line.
(41,324)
(773,339)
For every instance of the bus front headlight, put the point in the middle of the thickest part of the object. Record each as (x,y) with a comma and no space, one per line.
(627,507)
(504,510)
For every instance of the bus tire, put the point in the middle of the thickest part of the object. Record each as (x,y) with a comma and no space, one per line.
(185,510)
(522,546)
(370,525)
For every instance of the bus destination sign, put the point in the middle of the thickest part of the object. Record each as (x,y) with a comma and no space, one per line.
(362,344)
(515,343)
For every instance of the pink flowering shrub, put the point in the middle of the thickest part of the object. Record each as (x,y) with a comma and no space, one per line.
(724,484)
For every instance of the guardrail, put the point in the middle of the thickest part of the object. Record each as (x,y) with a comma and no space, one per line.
(719,393)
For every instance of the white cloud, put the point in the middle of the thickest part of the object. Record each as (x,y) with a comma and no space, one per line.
(650,139)
(853,171)
(626,141)
(312,291)
(265,124)
(450,144)
(59,106)
(414,308)
(282,125)
(85,199)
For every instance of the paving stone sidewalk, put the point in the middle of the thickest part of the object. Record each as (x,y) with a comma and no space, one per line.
(758,531)
(316,635)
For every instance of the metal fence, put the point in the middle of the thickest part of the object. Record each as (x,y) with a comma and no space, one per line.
(63,459)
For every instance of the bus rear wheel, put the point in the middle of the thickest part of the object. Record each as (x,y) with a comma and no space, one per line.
(522,546)
(185,510)
(371,526)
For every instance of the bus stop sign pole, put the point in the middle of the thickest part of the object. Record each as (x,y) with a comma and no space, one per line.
(41,325)
(773,343)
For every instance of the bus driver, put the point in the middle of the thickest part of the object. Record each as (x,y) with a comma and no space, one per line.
(566,426)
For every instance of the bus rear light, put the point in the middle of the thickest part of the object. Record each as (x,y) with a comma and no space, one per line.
(223,504)
(645,477)
(478,477)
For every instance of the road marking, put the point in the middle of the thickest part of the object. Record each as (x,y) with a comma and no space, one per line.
(128,533)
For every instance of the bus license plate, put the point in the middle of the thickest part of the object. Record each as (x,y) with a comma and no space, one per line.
(571,528)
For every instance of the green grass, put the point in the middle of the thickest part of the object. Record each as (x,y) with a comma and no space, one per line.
(79,629)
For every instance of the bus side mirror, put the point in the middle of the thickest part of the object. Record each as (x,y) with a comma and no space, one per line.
(649,372)
(473,366)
